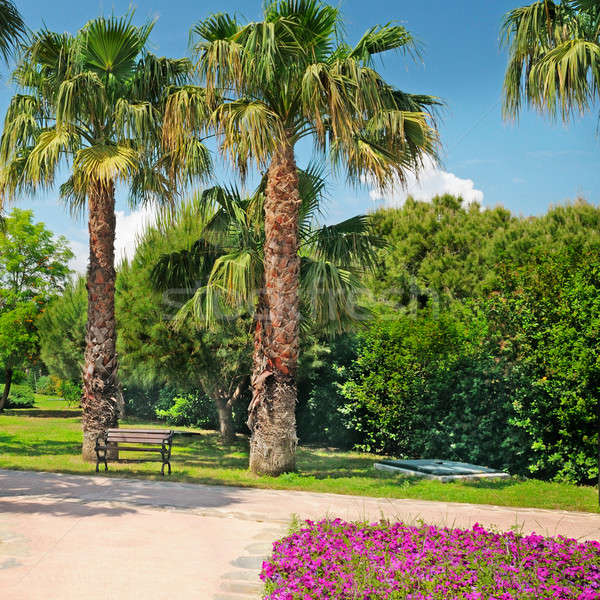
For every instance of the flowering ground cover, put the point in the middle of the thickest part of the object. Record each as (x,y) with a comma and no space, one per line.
(353,561)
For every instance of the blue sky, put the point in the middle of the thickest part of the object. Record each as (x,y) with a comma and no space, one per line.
(525,166)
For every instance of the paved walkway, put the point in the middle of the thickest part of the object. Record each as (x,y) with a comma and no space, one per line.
(73,537)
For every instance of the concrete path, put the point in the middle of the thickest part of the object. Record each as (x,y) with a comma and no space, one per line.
(71,537)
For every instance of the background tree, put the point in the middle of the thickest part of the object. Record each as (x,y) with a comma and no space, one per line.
(267,85)
(187,358)
(62,332)
(96,99)
(554,57)
(33,267)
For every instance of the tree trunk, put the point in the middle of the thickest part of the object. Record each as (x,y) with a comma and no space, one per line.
(225,413)
(7,382)
(102,399)
(272,412)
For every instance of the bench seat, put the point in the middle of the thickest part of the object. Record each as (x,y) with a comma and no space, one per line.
(154,440)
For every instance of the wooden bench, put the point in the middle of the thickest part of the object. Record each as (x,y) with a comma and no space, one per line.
(146,440)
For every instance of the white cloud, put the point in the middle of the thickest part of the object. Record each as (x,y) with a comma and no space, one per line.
(431,182)
(128,229)
(79,262)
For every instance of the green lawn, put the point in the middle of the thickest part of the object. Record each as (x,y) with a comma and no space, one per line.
(47,443)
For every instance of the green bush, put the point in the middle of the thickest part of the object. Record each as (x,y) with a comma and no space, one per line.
(45,386)
(547,318)
(193,409)
(71,392)
(20,396)
(322,371)
(427,387)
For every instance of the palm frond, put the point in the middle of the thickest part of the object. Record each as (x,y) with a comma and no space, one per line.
(12,28)
(553,57)
(105,163)
(567,78)
(383,38)
(111,45)
(249,130)
(21,124)
(83,93)
(51,146)
(348,244)
(329,296)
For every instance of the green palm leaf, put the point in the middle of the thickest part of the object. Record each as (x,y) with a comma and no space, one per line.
(12,28)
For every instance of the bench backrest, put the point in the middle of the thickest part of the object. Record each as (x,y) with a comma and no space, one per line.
(139,436)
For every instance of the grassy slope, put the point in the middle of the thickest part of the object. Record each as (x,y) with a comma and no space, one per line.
(53,444)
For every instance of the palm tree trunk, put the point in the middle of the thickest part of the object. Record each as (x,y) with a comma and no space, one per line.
(102,399)
(7,383)
(272,412)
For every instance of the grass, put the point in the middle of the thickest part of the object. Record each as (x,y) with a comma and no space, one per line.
(53,443)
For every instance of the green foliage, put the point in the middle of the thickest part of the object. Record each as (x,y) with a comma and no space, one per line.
(193,409)
(445,249)
(45,385)
(185,358)
(62,332)
(554,57)
(12,28)
(427,386)
(70,392)
(33,267)
(322,371)
(21,396)
(546,317)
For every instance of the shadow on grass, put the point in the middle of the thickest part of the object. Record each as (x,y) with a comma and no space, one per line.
(43,413)
(11,444)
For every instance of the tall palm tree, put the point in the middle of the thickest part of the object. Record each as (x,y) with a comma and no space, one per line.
(12,28)
(95,102)
(268,84)
(222,272)
(554,57)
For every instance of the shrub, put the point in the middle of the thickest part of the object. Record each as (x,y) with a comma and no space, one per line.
(193,409)
(334,559)
(141,402)
(427,386)
(20,396)
(45,386)
(322,371)
(71,392)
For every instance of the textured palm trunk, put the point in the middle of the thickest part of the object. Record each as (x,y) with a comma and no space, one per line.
(7,383)
(272,413)
(226,427)
(102,400)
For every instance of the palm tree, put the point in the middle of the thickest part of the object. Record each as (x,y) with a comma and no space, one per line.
(267,85)
(95,101)
(554,57)
(12,28)
(223,271)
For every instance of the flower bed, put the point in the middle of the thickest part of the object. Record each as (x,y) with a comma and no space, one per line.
(351,561)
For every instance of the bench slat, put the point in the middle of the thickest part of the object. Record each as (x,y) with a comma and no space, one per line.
(136,449)
(148,438)
(138,430)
